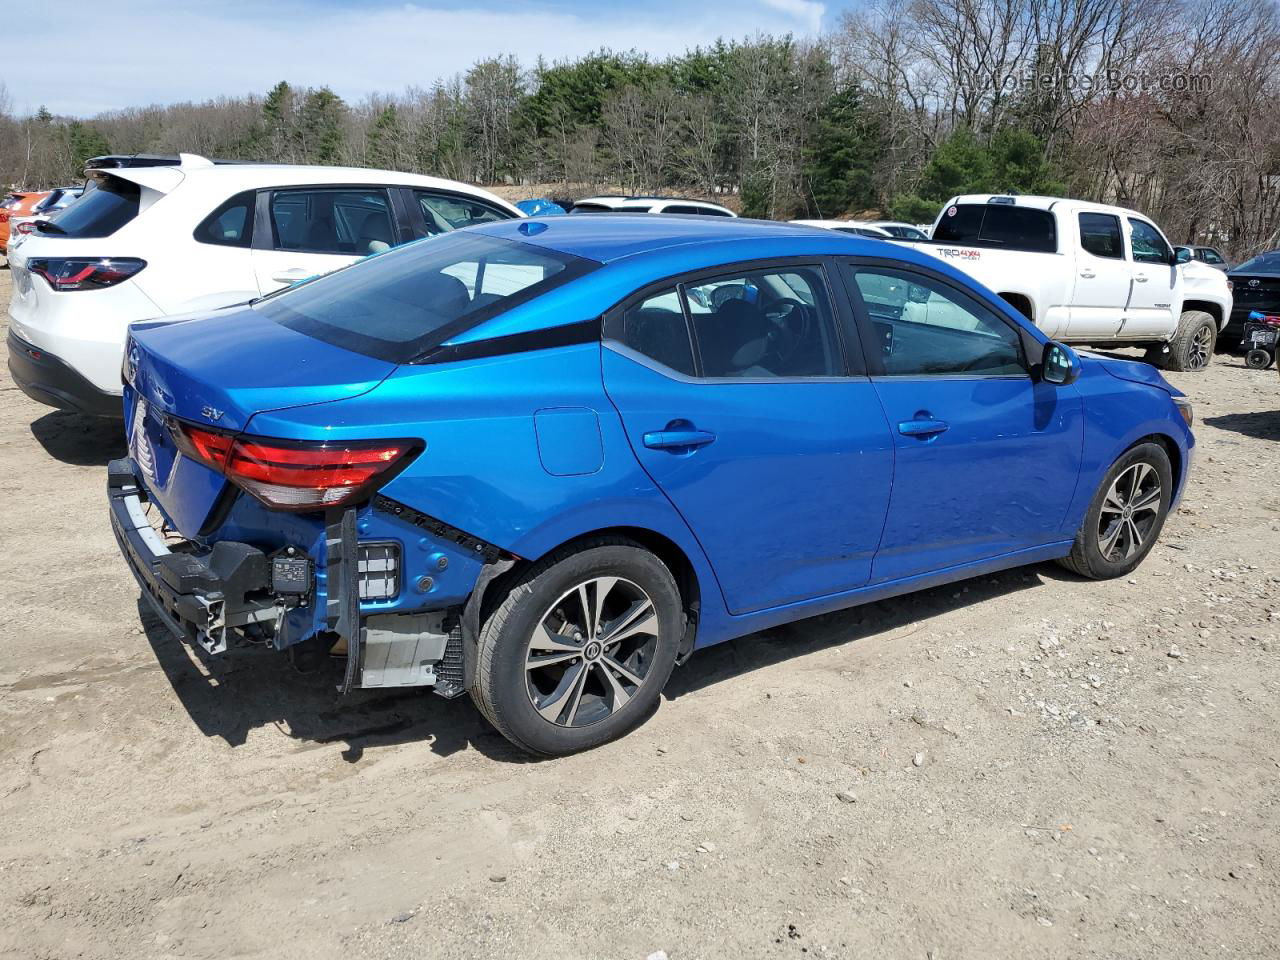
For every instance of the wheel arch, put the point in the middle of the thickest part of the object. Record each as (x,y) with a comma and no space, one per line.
(1022,303)
(672,554)
(1208,306)
(1171,448)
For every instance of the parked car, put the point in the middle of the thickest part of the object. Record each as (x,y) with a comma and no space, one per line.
(856,227)
(1208,255)
(617,204)
(1256,285)
(544,461)
(224,234)
(901,231)
(56,200)
(17,204)
(1087,273)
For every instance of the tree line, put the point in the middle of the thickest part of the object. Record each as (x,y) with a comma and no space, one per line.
(1168,106)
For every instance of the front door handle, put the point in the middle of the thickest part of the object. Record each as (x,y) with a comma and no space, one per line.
(923,427)
(292,275)
(1141,278)
(685,439)
(1088,274)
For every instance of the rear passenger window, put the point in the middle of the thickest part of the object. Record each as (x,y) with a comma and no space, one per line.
(765,324)
(231,225)
(656,328)
(1211,256)
(355,222)
(1100,235)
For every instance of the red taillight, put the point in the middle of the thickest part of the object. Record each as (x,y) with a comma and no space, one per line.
(290,475)
(83,273)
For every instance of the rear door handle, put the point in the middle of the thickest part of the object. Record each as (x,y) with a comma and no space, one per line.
(922,428)
(1141,278)
(292,275)
(1088,274)
(677,439)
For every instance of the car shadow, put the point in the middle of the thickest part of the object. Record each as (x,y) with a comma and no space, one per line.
(250,687)
(80,440)
(1259,426)
(803,637)
(231,695)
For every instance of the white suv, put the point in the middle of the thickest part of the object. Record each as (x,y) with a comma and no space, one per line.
(612,204)
(154,241)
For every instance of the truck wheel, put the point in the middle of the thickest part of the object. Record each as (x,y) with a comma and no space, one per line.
(1192,346)
(1257,359)
(578,652)
(1126,515)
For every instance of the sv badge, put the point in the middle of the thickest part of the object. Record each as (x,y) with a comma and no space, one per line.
(210,413)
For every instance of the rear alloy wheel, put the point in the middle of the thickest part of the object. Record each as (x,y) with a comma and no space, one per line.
(1126,515)
(591,651)
(578,651)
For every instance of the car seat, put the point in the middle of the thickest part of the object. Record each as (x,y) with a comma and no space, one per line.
(375,234)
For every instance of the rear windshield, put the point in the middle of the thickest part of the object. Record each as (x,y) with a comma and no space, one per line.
(998,225)
(100,212)
(401,304)
(1262,263)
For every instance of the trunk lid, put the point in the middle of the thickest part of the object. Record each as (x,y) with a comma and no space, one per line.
(218,370)
(1259,291)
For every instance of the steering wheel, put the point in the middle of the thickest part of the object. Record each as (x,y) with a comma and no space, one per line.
(790,324)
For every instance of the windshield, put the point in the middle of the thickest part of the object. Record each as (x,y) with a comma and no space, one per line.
(101,212)
(401,304)
(1262,263)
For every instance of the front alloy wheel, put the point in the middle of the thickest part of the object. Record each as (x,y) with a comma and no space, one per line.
(1126,515)
(591,651)
(1129,512)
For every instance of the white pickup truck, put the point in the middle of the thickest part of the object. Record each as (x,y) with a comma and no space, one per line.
(1087,273)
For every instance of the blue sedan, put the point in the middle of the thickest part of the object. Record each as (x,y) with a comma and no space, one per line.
(544,461)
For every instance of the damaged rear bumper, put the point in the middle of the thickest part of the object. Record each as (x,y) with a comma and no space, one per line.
(206,594)
(198,595)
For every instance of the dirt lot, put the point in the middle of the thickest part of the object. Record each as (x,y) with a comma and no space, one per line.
(1034,766)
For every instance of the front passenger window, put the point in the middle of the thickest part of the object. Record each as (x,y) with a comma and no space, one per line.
(925,327)
(1148,245)
(355,222)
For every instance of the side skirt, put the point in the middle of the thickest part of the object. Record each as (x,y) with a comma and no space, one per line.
(730,627)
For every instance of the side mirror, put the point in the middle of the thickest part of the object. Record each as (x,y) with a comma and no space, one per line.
(1060,364)
(1181,256)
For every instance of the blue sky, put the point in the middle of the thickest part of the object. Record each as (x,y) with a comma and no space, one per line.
(165,51)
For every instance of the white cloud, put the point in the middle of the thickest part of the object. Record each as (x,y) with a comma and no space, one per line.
(164,51)
(806,12)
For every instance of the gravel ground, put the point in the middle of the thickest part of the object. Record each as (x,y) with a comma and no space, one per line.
(1022,765)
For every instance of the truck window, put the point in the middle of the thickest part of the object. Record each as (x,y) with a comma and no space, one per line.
(1001,225)
(1100,235)
(1148,245)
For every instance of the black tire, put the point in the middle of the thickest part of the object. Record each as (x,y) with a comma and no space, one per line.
(1191,348)
(1087,556)
(1257,359)
(504,688)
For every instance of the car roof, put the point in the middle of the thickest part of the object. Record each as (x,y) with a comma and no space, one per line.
(609,237)
(231,178)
